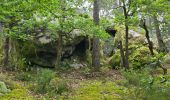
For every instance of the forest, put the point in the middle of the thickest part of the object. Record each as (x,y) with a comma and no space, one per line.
(84,50)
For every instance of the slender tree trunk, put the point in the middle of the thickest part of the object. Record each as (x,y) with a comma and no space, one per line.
(126,49)
(126,36)
(168,28)
(60,35)
(96,46)
(148,37)
(122,53)
(6,52)
(161,44)
(59,51)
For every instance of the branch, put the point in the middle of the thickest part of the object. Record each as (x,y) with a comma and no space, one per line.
(117,7)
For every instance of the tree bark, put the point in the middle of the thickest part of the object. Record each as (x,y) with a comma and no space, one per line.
(126,36)
(162,46)
(148,37)
(122,53)
(59,51)
(96,46)
(6,52)
(60,37)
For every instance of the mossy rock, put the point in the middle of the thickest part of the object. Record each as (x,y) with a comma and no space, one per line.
(140,57)
(3,88)
(115,60)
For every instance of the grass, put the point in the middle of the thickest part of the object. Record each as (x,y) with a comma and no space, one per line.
(75,85)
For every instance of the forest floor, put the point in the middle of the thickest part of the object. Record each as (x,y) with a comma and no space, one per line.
(82,85)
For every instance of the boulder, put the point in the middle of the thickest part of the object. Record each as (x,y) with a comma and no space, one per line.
(134,34)
(42,50)
(3,88)
(166,62)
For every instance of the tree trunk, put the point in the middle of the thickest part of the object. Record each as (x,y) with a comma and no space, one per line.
(161,44)
(59,51)
(122,53)
(168,28)
(126,48)
(6,52)
(148,37)
(126,36)
(95,53)
(60,37)
(96,46)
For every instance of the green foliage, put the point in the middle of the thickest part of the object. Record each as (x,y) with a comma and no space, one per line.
(140,57)
(17,91)
(86,71)
(116,60)
(24,76)
(16,58)
(57,87)
(43,79)
(144,86)
(105,69)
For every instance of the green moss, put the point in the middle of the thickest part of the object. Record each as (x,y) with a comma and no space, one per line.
(17,94)
(98,90)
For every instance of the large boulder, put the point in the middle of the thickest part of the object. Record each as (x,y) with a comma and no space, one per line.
(42,50)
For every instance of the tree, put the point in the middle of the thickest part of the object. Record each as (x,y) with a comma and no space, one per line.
(155,9)
(96,46)
(161,43)
(144,26)
(12,12)
(127,34)
(60,33)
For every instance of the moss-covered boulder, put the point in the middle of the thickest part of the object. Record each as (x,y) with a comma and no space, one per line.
(3,88)
(166,61)
(140,57)
(115,60)
(42,49)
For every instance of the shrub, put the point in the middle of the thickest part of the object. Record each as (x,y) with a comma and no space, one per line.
(105,69)
(143,86)
(57,87)
(140,57)
(24,76)
(43,79)
(115,61)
